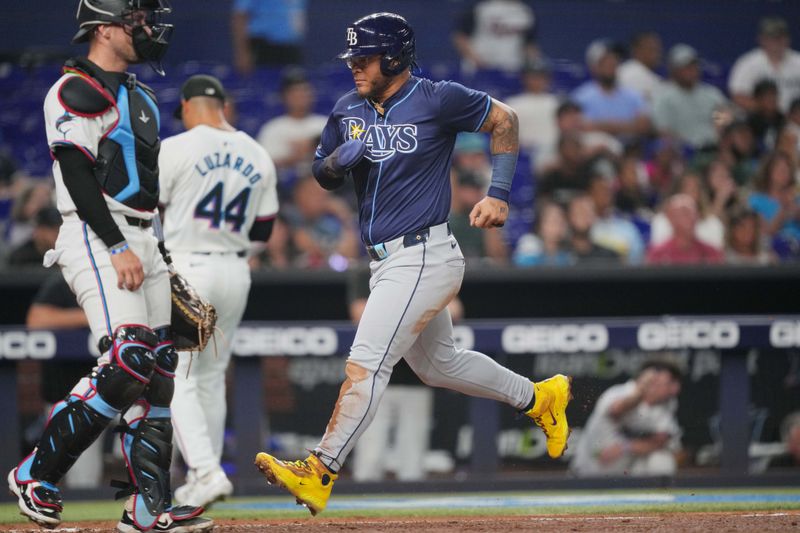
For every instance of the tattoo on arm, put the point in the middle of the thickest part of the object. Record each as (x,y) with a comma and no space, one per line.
(503,124)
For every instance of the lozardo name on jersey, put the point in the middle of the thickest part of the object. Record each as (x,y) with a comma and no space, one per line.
(227,160)
(382,140)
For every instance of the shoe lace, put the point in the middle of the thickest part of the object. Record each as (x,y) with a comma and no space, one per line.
(301,464)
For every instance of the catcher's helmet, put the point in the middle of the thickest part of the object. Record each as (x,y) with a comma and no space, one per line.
(386,34)
(149,46)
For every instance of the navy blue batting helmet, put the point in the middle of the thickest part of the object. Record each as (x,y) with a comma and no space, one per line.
(384,34)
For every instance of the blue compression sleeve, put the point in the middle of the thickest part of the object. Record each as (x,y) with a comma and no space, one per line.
(503,167)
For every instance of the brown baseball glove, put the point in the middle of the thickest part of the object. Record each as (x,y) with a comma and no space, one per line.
(193,318)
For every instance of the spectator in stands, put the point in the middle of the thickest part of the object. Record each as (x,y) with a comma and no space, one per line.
(790,436)
(683,248)
(267,32)
(496,34)
(709,228)
(793,121)
(570,120)
(765,118)
(43,238)
(635,196)
(7,170)
(723,193)
(775,200)
(744,244)
(581,217)
(737,148)
(536,107)
(773,59)
(468,188)
(665,165)
(684,109)
(569,173)
(611,230)
(471,154)
(34,196)
(633,429)
(323,227)
(608,107)
(54,307)
(638,73)
(291,138)
(548,246)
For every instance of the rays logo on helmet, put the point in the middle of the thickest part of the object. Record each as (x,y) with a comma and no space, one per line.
(352,37)
(382,140)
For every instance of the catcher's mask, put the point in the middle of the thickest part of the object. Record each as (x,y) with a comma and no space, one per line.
(141,17)
(384,34)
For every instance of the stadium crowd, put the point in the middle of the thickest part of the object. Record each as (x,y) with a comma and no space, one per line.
(624,166)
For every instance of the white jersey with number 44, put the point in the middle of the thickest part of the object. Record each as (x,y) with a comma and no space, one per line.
(215,184)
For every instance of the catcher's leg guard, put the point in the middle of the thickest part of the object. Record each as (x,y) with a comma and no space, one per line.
(76,422)
(147,443)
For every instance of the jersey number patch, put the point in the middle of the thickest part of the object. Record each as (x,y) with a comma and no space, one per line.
(210,207)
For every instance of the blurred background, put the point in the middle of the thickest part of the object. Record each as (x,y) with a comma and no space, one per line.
(654,217)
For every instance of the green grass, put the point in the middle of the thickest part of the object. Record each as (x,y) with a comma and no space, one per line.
(110,510)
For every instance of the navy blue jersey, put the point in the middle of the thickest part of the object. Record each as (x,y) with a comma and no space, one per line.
(403,182)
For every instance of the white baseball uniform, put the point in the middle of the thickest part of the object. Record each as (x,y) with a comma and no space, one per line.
(215,184)
(83,257)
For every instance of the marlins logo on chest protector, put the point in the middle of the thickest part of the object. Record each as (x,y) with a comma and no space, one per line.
(382,140)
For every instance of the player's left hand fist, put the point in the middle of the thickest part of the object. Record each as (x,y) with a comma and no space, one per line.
(489,213)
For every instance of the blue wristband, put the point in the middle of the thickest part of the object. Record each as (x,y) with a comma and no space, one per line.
(497,192)
(118,248)
(503,168)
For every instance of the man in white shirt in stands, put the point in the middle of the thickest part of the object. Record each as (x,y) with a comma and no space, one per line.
(638,72)
(773,59)
(291,138)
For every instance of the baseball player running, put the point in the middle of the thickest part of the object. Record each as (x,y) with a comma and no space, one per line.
(218,186)
(395,134)
(102,127)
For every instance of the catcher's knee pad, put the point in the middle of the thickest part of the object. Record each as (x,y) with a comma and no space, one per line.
(72,427)
(147,446)
(124,379)
(162,383)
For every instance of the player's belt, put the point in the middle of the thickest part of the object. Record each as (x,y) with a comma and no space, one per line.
(139,222)
(240,253)
(380,251)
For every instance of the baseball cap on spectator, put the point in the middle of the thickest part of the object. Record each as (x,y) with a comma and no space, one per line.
(597,50)
(292,76)
(200,85)
(568,106)
(470,178)
(470,143)
(773,27)
(537,65)
(682,55)
(48,217)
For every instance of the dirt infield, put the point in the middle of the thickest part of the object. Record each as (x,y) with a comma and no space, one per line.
(658,522)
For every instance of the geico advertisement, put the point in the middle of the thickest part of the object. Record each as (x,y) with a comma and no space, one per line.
(319,341)
(784,334)
(697,334)
(27,344)
(566,338)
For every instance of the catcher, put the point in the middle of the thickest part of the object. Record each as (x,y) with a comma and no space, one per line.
(218,187)
(102,129)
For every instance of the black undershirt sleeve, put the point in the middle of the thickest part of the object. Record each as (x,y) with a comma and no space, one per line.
(82,186)
(261,230)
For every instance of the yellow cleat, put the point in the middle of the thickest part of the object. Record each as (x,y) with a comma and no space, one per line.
(549,411)
(309,481)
